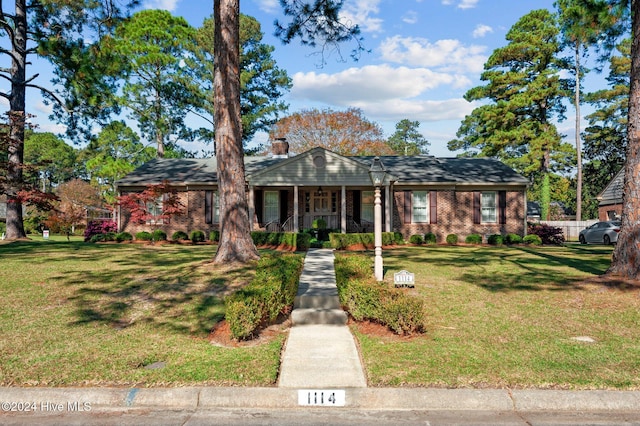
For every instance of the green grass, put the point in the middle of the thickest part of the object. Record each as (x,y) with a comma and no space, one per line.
(507,317)
(75,314)
(96,314)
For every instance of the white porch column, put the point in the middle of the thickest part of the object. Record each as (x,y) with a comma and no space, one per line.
(343,210)
(388,201)
(252,208)
(296,207)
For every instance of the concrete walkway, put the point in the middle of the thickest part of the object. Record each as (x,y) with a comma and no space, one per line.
(320,352)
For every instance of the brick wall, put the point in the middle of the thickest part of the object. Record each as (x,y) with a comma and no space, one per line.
(455,216)
(193,218)
(608,212)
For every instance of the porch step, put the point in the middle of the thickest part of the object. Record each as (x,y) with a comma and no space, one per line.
(309,301)
(312,316)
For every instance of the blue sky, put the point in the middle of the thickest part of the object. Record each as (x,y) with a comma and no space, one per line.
(424,55)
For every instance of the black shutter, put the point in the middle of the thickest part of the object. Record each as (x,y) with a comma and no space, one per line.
(208,207)
(259,205)
(407,207)
(356,206)
(502,204)
(433,207)
(476,207)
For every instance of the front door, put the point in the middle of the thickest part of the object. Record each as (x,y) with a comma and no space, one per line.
(321,204)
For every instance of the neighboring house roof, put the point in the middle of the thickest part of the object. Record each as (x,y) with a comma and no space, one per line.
(612,193)
(407,170)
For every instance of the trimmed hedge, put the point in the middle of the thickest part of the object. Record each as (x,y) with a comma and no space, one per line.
(270,293)
(532,239)
(214,236)
(289,240)
(366,299)
(341,241)
(430,238)
(144,236)
(452,239)
(123,236)
(197,237)
(513,239)
(159,235)
(473,239)
(416,239)
(179,236)
(495,239)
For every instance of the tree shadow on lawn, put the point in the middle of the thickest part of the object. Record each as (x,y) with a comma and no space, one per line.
(189,300)
(518,268)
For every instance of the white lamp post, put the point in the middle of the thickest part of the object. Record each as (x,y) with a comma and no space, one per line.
(377,173)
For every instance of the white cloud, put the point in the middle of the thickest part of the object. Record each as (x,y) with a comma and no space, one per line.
(448,55)
(411,17)
(423,111)
(482,30)
(169,5)
(462,4)
(43,108)
(269,6)
(371,84)
(361,12)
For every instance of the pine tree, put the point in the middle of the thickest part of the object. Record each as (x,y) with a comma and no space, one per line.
(525,91)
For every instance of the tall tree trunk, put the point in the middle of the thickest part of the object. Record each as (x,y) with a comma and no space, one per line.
(578,143)
(17,119)
(235,244)
(626,256)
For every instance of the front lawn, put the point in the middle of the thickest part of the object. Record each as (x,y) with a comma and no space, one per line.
(74,313)
(511,317)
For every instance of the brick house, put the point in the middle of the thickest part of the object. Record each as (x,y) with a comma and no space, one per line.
(610,199)
(420,194)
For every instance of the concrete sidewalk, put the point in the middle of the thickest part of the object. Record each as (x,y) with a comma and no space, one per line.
(320,351)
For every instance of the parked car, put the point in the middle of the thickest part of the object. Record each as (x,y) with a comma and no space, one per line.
(601,233)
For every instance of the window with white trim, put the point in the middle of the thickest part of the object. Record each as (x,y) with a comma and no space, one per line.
(420,207)
(489,207)
(154,209)
(212,207)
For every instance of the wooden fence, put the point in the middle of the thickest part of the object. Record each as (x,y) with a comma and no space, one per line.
(570,228)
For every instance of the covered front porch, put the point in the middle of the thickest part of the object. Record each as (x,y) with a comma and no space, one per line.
(296,208)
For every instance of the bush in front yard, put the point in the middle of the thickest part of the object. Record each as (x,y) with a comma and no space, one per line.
(513,239)
(214,236)
(179,236)
(197,237)
(366,299)
(430,238)
(473,239)
(452,239)
(96,227)
(532,239)
(144,236)
(495,240)
(123,236)
(159,235)
(270,293)
(547,233)
(416,239)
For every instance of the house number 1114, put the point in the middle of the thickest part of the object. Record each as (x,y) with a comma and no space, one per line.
(324,398)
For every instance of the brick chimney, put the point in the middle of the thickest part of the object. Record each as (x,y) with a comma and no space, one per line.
(280,148)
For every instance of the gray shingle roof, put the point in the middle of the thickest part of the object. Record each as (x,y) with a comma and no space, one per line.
(420,169)
(429,169)
(612,193)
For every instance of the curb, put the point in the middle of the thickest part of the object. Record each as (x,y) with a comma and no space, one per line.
(425,399)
